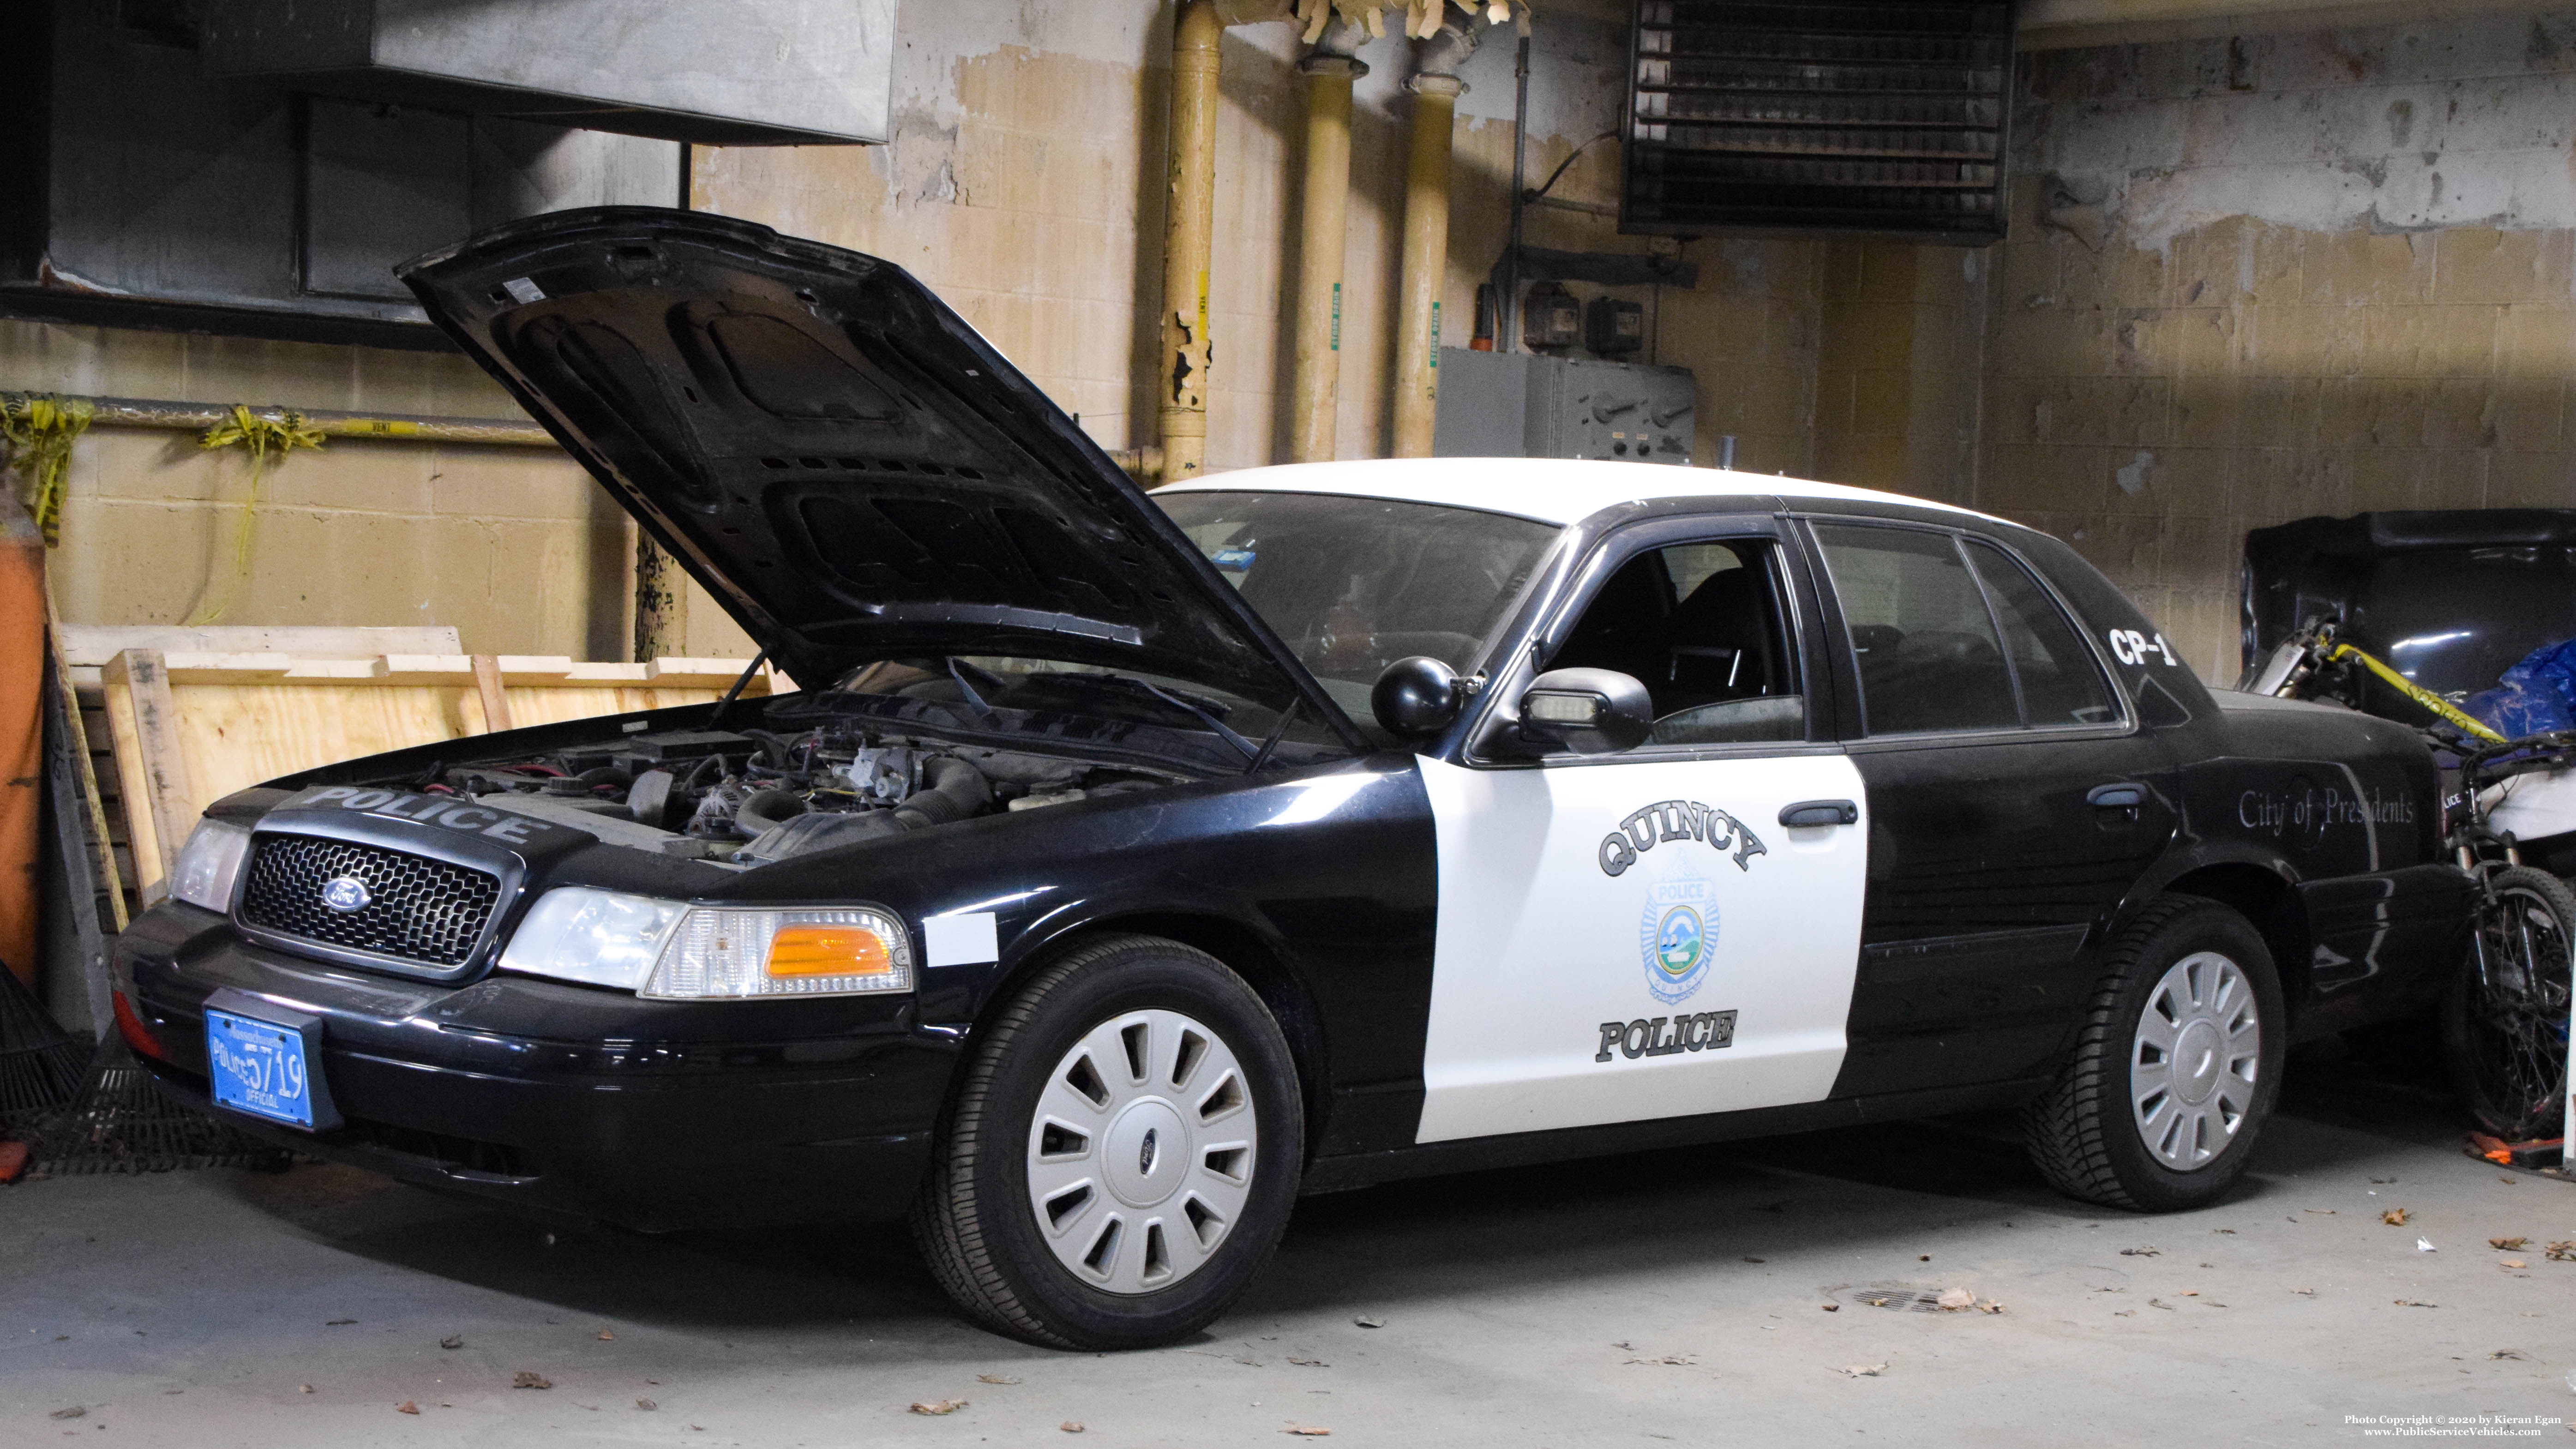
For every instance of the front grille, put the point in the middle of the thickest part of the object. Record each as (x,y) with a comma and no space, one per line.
(418,909)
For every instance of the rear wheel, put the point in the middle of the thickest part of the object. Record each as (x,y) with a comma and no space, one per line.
(2176,1066)
(1122,1155)
(2504,1019)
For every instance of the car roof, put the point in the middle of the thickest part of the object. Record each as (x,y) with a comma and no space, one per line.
(1548,490)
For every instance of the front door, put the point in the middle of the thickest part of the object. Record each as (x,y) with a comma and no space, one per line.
(2014,804)
(1640,935)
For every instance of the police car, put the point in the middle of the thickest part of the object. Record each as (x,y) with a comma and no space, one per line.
(1128,865)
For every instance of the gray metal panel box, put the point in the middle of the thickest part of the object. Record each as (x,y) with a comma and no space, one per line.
(1518,405)
(716,72)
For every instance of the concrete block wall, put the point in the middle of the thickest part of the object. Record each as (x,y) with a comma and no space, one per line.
(2260,278)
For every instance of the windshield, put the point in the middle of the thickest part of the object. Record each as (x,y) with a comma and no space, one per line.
(1354,584)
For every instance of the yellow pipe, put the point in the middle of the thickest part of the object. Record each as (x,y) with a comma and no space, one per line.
(1189,221)
(2416,692)
(1426,259)
(1324,207)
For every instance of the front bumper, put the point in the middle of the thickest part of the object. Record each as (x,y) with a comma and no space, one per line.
(572,1101)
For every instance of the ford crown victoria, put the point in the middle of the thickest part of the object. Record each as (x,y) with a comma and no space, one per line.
(1128,865)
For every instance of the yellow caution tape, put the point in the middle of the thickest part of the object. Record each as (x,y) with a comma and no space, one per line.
(269,441)
(40,430)
(2416,692)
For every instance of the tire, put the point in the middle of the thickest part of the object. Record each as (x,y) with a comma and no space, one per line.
(2504,1014)
(2117,1128)
(1077,1202)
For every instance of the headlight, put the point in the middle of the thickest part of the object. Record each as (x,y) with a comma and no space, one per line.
(834,951)
(603,938)
(667,950)
(209,864)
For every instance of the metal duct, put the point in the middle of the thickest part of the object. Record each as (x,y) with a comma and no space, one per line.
(1816,118)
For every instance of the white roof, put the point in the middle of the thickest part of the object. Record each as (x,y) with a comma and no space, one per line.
(1549,490)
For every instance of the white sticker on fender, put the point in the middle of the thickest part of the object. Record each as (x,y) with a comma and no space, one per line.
(966,939)
(1638,939)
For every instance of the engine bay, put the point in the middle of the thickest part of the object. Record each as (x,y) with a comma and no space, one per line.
(753,797)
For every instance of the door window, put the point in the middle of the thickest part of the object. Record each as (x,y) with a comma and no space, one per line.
(2061,683)
(1700,625)
(1942,647)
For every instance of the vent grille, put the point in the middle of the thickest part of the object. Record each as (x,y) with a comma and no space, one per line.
(1882,119)
(418,909)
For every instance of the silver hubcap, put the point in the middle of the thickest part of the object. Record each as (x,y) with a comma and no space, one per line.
(1140,1156)
(2192,1064)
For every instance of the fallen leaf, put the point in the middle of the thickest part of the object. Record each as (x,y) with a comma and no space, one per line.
(994,1379)
(2508,1245)
(1623,1343)
(1831,1307)
(2305,1292)
(1070,1427)
(939,1406)
(1954,1299)
(647,1405)
(607,1337)
(308,1388)
(2140,1252)
(1923,1258)
(1309,1430)
(1675,1360)
(1990,1306)
(2124,1313)
(406,1407)
(1862,1371)
(2191,1293)
(74,1412)
(2231,1232)
(2160,1303)
(2512,1263)
(1309,1363)
(2329,1212)
(1365,1321)
(2425,1245)
(453,1340)
(337,1322)
(1753,1260)
(2563,1252)
(2394,1217)
(526,1380)
(2506,1353)
(2411,1303)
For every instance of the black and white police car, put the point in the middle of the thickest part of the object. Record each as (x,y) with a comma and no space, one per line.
(1129,865)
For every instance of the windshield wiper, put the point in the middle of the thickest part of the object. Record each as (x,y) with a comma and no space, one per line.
(1251,753)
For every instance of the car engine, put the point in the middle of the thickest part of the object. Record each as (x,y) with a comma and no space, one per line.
(753,797)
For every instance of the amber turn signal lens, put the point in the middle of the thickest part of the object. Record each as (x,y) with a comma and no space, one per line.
(828,951)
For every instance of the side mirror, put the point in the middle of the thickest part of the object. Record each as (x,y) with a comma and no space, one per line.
(1417,696)
(1588,711)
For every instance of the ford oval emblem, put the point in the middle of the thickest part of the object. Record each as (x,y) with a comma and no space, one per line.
(346,893)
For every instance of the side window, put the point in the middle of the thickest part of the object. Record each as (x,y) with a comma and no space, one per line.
(1698,624)
(2061,684)
(1921,635)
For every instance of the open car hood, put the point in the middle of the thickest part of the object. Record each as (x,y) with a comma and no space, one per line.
(843,462)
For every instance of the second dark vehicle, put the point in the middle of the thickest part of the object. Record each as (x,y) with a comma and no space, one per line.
(1131,864)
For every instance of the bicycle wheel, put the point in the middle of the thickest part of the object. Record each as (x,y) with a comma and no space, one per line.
(2504,1020)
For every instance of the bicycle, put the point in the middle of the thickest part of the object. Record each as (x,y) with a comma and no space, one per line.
(2505,1017)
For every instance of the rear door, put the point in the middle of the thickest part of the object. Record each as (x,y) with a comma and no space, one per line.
(2014,802)
(1640,935)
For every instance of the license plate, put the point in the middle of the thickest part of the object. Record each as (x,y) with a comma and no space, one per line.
(259,1067)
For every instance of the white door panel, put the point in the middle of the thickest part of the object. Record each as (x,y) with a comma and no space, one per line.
(1564,941)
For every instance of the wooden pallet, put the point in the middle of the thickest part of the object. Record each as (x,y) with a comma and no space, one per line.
(191,728)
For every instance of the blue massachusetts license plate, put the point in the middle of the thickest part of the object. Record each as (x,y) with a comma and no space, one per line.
(258,1067)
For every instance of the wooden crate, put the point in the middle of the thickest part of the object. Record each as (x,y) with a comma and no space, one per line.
(188,729)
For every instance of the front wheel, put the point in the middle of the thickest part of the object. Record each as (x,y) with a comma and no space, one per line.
(2175,1068)
(1122,1154)
(2504,1018)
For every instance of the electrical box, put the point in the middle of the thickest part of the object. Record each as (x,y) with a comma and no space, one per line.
(1614,326)
(1550,317)
(1520,405)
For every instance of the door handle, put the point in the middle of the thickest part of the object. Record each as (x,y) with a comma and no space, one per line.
(2118,795)
(1820,812)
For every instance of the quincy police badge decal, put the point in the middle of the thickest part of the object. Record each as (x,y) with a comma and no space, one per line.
(1677,930)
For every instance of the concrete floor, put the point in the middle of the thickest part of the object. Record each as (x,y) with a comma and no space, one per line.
(1664,1298)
